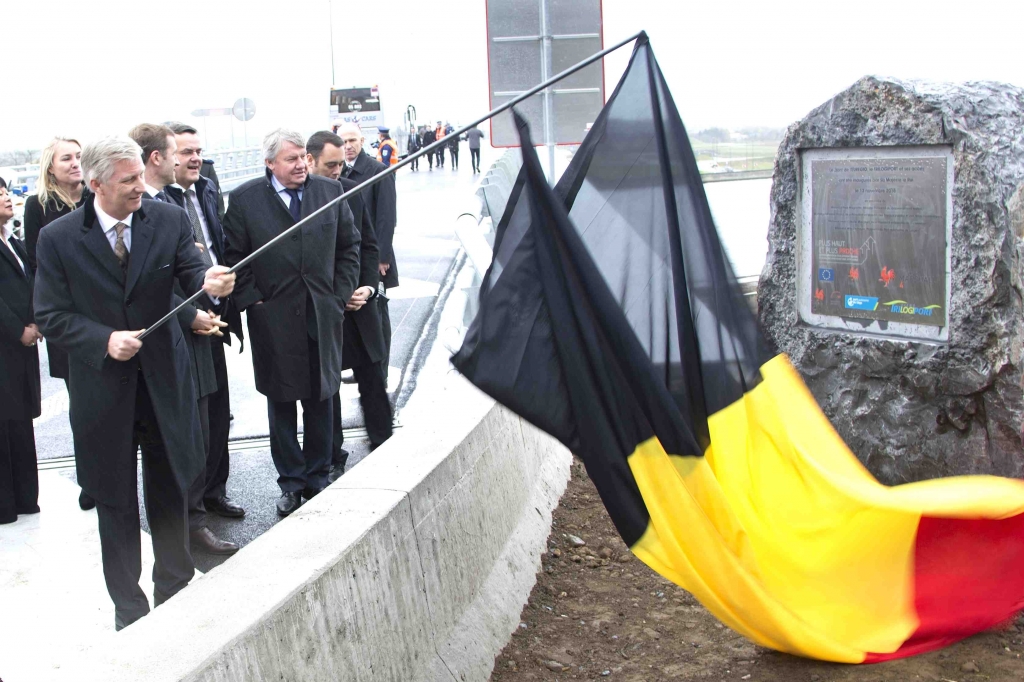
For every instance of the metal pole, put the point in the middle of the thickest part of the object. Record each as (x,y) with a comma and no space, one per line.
(545,70)
(330,19)
(391,170)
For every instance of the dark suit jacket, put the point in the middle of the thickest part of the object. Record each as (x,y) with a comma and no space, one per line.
(204,377)
(19,365)
(207,171)
(35,220)
(383,206)
(208,195)
(319,262)
(81,296)
(364,336)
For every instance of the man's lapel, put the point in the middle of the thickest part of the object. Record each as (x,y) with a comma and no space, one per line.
(142,239)
(96,243)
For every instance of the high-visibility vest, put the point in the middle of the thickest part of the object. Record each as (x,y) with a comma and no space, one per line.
(394,151)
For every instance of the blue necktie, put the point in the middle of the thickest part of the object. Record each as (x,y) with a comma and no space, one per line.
(295,208)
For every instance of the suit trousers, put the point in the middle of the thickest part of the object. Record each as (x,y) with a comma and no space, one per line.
(196,507)
(307,466)
(385,324)
(218,463)
(19,477)
(120,528)
(454,153)
(474,158)
(373,398)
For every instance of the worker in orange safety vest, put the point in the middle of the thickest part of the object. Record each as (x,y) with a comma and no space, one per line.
(387,151)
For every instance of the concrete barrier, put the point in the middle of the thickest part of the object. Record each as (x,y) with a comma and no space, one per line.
(413,566)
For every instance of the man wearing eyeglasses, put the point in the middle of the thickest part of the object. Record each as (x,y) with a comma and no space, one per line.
(198,196)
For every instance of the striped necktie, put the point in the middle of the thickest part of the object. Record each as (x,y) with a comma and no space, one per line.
(197,227)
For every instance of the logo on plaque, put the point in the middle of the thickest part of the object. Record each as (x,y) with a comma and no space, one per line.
(878,231)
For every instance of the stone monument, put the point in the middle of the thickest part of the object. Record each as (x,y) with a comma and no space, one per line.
(894,272)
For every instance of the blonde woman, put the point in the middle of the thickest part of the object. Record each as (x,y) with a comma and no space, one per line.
(59,191)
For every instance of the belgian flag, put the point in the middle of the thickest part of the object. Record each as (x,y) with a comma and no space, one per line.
(610,318)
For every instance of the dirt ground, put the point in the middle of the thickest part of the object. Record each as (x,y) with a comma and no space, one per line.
(597,612)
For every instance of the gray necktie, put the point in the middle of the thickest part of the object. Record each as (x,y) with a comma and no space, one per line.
(197,227)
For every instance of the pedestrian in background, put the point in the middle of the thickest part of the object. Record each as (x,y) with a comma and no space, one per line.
(414,146)
(474,135)
(428,138)
(59,191)
(19,375)
(453,149)
(438,136)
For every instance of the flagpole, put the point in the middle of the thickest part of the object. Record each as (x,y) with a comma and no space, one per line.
(391,170)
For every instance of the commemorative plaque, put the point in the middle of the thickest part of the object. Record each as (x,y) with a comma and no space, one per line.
(876,225)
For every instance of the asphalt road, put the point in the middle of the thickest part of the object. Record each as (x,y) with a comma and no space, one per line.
(429,203)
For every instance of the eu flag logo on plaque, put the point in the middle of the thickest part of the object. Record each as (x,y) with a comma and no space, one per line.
(826,275)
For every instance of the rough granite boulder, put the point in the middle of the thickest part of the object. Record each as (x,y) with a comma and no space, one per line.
(910,410)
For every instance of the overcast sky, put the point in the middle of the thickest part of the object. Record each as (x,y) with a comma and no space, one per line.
(88,69)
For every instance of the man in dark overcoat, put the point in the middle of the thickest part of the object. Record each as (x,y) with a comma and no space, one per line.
(19,375)
(382,202)
(106,272)
(199,328)
(294,297)
(363,347)
(198,196)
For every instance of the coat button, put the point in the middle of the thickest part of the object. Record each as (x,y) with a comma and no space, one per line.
(297,312)
(124,380)
(128,303)
(295,237)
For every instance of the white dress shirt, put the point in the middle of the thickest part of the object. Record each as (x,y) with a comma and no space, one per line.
(107,223)
(202,218)
(282,191)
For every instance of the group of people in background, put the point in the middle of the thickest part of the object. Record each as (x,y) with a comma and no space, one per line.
(127,229)
(425,135)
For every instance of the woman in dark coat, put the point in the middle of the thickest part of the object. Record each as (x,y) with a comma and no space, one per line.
(59,191)
(19,375)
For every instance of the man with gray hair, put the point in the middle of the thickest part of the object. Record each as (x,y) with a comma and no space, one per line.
(105,273)
(294,297)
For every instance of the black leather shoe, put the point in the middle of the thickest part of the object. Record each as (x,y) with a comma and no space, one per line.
(85,502)
(310,493)
(34,509)
(205,540)
(335,473)
(223,506)
(288,502)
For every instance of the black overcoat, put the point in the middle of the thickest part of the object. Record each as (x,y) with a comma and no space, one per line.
(321,260)
(35,220)
(81,296)
(382,202)
(364,336)
(19,365)
(204,374)
(208,194)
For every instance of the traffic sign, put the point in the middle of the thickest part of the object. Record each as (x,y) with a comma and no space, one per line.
(529,41)
(244,109)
